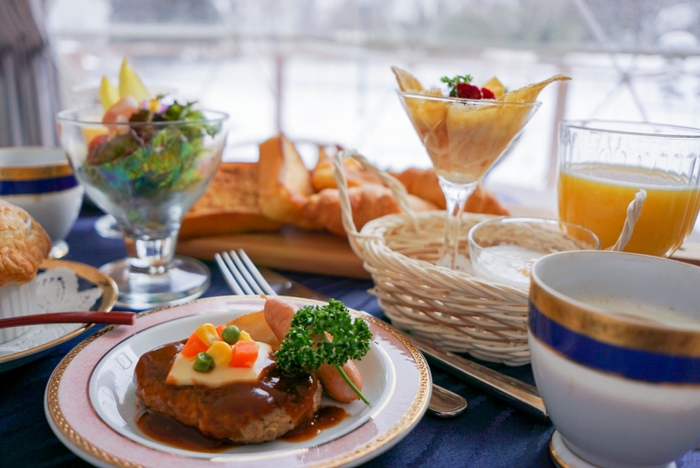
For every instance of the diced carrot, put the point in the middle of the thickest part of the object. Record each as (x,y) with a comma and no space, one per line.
(245,353)
(219,329)
(193,347)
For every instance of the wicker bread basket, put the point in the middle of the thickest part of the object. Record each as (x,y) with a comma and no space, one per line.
(456,310)
(460,312)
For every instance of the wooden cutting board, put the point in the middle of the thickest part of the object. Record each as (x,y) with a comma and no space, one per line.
(318,252)
(289,249)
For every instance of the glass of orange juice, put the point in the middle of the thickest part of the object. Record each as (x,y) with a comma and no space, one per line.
(602,164)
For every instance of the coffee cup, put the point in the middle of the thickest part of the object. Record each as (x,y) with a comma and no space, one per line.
(41,181)
(615,345)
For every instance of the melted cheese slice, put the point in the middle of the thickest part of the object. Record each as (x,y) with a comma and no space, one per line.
(182,371)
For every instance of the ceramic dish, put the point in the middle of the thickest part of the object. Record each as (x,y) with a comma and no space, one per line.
(101,429)
(56,295)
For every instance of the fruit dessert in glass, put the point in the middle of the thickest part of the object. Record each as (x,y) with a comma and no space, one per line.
(464,133)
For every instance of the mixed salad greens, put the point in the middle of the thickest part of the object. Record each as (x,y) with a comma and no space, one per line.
(147,148)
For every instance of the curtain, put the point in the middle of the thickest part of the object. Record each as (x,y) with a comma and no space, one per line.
(29,95)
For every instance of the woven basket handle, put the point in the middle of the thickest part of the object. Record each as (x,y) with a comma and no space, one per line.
(633,211)
(396,187)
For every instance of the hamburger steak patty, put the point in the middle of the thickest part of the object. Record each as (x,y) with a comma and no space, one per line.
(245,413)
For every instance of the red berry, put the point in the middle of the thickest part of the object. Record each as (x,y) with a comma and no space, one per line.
(487,93)
(467,91)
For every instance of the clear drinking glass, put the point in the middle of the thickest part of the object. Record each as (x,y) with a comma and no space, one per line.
(602,164)
(464,139)
(147,175)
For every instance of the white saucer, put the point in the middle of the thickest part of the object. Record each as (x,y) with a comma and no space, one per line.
(87,289)
(563,457)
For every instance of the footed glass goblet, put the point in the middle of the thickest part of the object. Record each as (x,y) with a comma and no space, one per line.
(464,139)
(147,175)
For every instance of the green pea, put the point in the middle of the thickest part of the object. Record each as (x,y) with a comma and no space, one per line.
(231,334)
(203,363)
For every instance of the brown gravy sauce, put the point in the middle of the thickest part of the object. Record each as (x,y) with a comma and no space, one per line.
(247,401)
(171,432)
(167,430)
(325,417)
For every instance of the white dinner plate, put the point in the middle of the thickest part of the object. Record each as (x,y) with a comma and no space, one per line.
(91,405)
(56,295)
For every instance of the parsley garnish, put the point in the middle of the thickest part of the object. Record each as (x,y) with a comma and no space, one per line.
(453,82)
(323,335)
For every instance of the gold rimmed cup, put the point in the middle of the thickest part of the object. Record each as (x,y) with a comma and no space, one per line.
(615,346)
(40,180)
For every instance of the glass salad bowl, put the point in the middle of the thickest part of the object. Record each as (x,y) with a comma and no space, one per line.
(147,173)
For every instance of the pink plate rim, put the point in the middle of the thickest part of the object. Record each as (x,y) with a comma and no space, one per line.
(77,425)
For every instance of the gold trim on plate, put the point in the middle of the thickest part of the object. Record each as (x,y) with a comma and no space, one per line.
(88,273)
(408,420)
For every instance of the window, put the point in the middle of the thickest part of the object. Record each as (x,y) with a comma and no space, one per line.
(319,70)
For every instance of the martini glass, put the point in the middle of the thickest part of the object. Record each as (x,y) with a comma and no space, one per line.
(147,175)
(464,138)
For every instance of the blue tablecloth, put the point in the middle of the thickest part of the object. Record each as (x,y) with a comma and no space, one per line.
(489,434)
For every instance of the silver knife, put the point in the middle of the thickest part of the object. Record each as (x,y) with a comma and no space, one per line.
(443,403)
(516,392)
(519,394)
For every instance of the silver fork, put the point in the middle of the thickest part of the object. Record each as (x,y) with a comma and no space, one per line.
(243,277)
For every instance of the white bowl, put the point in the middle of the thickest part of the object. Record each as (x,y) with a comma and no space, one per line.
(41,181)
(503,250)
(615,346)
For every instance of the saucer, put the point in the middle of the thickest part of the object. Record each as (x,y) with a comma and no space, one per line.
(563,457)
(84,288)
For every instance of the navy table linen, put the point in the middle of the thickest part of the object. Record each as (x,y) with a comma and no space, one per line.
(489,434)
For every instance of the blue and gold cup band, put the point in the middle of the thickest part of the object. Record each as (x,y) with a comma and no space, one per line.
(627,348)
(23,180)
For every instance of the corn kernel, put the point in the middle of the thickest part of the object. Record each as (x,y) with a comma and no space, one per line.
(207,333)
(245,336)
(221,353)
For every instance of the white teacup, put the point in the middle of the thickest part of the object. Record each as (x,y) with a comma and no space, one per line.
(615,345)
(41,181)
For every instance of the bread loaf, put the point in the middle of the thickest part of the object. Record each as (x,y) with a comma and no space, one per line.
(323,175)
(229,206)
(369,201)
(23,245)
(424,184)
(279,189)
(285,183)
